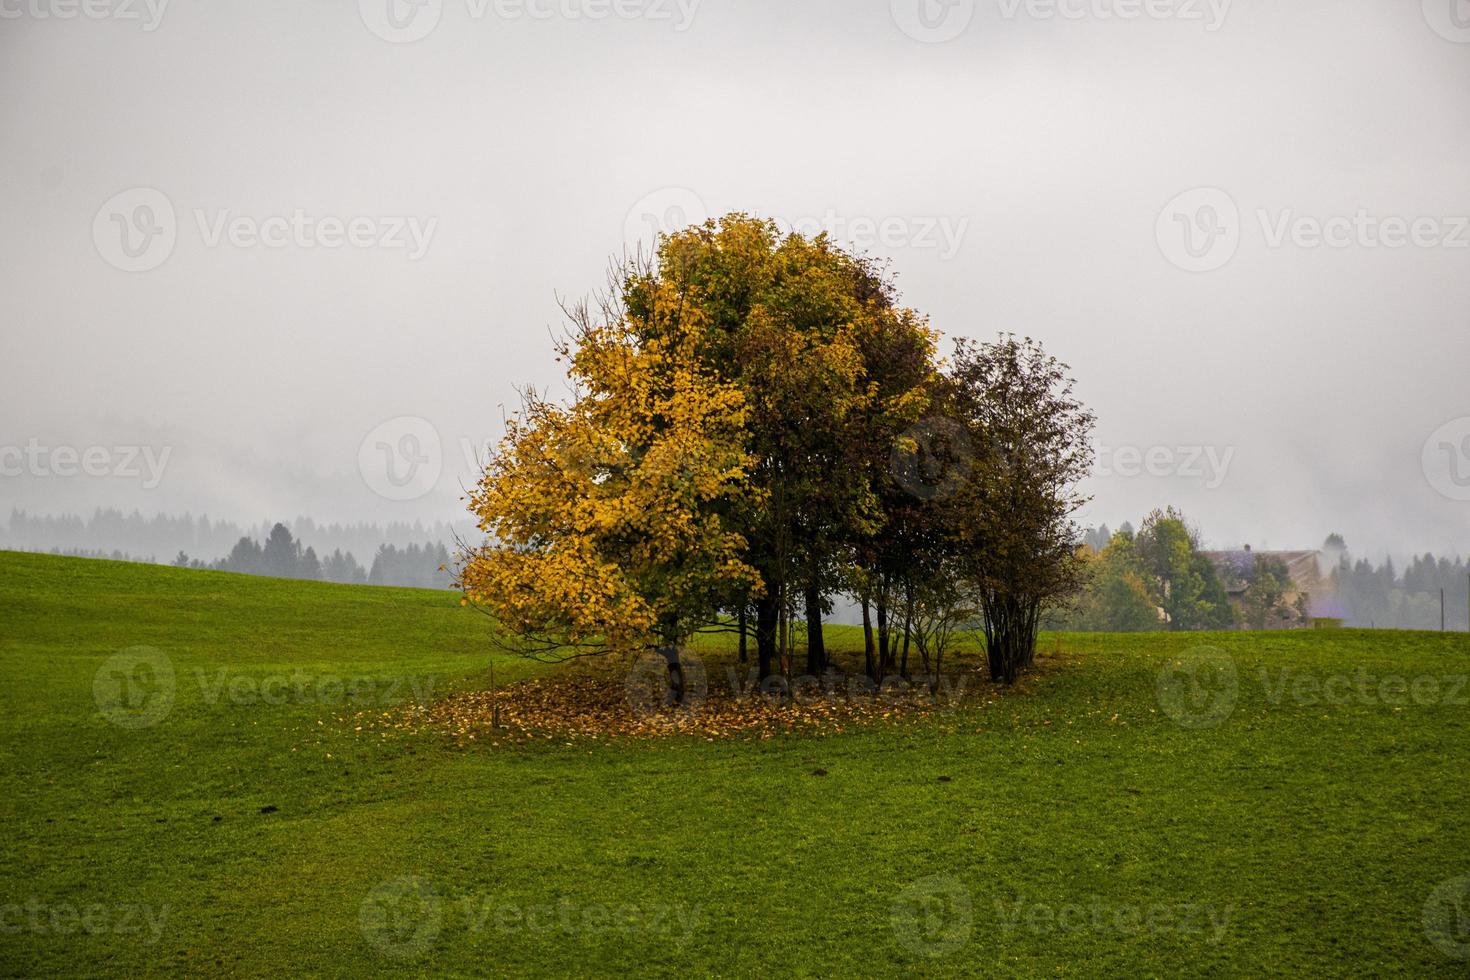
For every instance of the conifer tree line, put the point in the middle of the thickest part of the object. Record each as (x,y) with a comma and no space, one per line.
(1378,596)
(402,554)
(759,426)
(282,556)
(109,530)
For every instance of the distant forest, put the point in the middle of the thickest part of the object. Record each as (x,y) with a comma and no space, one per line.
(1385,595)
(398,554)
(1124,591)
(282,556)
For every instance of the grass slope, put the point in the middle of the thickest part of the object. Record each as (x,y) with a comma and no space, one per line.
(1074,828)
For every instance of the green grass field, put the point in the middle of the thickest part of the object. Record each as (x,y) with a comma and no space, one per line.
(1087,825)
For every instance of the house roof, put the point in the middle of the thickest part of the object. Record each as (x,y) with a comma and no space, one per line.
(1233,566)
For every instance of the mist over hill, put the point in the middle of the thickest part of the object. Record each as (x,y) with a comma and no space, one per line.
(394,553)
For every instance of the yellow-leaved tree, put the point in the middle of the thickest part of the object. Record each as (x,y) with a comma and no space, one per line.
(608,518)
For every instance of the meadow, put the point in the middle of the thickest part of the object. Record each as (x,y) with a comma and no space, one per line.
(189,787)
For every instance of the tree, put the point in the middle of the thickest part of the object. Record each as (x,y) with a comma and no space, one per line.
(606,515)
(831,368)
(940,604)
(415,566)
(1117,598)
(745,408)
(1014,511)
(1266,592)
(1213,611)
(1183,582)
(339,567)
(310,567)
(245,557)
(281,553)
(1097,538)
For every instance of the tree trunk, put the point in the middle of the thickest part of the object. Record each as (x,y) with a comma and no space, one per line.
(870,665)
(766,623)
(994,630)
(676,693)
(740,625)
(1028,636)
(882,638)
(1010,634)
(903,669)
(783,635)
(816,650)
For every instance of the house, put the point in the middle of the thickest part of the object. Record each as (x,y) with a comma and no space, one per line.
(1311,585)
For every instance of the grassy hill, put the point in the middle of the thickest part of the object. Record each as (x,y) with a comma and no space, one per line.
(234,819)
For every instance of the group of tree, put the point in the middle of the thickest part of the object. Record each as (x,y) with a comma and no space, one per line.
(1158,579)
(283,556)
(428,566)
(1270,599)
(758,426)
(1379,596)
(109,530)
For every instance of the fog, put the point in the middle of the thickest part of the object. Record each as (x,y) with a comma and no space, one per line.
(267,259)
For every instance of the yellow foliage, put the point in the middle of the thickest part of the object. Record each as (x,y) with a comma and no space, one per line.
(605,515)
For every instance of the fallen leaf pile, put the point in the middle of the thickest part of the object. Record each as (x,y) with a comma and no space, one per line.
(598,702)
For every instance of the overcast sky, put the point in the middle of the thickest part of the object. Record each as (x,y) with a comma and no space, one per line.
(250,243)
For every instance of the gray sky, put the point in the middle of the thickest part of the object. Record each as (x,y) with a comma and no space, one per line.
(1034,167)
